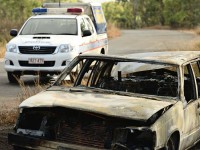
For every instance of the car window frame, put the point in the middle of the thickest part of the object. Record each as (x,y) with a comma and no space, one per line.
(193,78)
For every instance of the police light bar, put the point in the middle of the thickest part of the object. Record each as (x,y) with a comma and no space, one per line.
(75,11)
(43,11)
(39,11)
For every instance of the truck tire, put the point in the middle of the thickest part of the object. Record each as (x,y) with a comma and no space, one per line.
(18,148)
(42,75)
(172,143)
(12,77)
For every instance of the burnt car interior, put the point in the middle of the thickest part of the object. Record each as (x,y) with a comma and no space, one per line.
(189,81)
(132,77)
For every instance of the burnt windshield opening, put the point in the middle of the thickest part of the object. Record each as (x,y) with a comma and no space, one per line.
(131,77)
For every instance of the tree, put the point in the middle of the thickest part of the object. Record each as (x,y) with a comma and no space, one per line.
(141,13)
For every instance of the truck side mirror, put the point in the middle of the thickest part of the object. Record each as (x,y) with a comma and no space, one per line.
(86,33)
(13,32)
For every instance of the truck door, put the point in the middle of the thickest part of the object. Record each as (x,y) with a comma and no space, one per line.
(192,110)
(89,43)
(99,19)
(100,26)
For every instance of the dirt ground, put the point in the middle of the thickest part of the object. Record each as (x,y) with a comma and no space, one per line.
(3,137)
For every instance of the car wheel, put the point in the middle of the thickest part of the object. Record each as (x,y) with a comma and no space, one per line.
(43,75)
(12,77)
(18,148)
(171,144)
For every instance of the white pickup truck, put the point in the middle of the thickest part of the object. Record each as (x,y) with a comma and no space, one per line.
(53,36)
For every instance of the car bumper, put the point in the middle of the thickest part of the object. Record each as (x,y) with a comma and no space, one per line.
(52,63)
(41,144)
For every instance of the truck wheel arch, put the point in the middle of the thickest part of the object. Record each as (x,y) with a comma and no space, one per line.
(175,139)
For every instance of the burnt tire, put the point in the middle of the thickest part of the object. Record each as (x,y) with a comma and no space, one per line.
(12,77)
(172,143)
(18,148)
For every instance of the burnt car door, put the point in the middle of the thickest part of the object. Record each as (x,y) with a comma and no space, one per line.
(192,109)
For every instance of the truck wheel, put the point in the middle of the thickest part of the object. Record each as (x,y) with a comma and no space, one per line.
(42,75)
(172,144)
(12,77)
(19,148)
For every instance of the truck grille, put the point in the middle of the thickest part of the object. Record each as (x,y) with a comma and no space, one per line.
(71,126)
(46,64)
(38,50)
(93,134)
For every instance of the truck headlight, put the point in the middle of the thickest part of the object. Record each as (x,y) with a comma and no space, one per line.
(12,48)
(65,48)
(137,138)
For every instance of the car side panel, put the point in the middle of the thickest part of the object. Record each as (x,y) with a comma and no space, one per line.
(168,123)
(191,124)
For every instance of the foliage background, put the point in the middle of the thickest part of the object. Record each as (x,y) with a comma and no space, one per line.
(145,13)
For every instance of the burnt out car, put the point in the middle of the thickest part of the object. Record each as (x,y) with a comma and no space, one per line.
(136,102)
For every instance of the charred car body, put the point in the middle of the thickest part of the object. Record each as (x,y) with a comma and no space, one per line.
(141,101)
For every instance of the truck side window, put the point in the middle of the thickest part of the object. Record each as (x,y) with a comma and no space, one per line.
(83,26)
(89,24)
(189,88)
(195,67)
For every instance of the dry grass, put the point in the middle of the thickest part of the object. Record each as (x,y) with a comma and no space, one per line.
(9,110)
(113,31)
(158,27)
(192,30)
(2,50)
(197,30)
(194,45)
(27,91)
(197,46)
(189,46)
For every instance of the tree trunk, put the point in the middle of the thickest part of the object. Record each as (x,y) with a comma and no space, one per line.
(162,18)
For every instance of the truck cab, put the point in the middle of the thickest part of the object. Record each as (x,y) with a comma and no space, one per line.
(53,36)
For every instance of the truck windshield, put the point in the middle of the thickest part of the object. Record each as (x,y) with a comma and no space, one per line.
(51,26)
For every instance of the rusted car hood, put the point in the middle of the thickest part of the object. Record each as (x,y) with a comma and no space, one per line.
(107,104)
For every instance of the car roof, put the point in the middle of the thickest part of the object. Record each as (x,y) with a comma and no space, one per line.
(166,57)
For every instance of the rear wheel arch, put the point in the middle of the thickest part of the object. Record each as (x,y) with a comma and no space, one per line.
(174,141)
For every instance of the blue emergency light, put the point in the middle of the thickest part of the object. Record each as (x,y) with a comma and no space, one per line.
(39,11)
(72,11)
